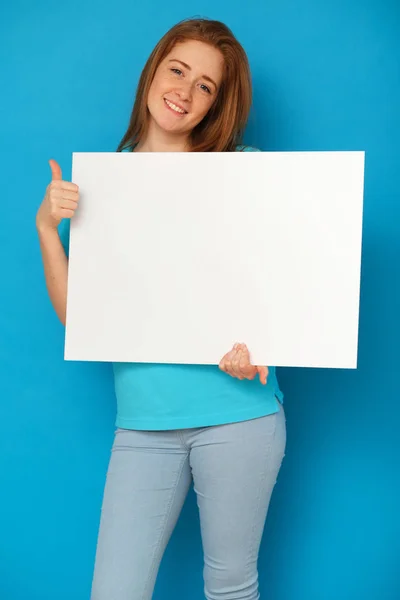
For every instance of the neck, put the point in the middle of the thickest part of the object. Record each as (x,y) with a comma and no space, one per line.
(158,140)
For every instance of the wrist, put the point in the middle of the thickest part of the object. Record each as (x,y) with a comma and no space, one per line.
(45,228)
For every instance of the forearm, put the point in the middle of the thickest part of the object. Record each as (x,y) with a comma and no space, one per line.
(55,265)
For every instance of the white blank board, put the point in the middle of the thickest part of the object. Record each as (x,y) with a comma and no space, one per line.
(176,256)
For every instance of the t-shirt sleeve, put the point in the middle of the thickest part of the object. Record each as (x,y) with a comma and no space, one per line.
(243,148)
(64,232)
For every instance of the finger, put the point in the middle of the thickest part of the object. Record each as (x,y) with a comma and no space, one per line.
(236,360)
(66,213)
(229,360)
(59,195)
(248,370)
(263,373)
(57,185)
(56,174)
(70,204)
(222,364)
(226,362)
(67,195)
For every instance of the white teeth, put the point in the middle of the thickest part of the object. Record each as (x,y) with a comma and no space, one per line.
(174,107)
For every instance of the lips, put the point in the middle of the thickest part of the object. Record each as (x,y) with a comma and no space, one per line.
(176,104)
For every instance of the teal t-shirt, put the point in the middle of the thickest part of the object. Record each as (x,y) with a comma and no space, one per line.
(152,396)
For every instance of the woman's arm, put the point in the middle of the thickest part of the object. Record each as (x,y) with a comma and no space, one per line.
(55,265)
(60,202)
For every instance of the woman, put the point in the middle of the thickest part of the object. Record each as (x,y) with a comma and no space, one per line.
(178,424)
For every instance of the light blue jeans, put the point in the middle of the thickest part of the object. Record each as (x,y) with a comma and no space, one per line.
(233,467)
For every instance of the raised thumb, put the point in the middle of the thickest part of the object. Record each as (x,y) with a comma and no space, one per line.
(55,170)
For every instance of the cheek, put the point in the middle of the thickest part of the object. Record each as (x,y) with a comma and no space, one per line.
(153,91)
(157,87)
(163,82)
(203,107)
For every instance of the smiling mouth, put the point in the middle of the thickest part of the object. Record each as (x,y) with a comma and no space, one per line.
(174,108)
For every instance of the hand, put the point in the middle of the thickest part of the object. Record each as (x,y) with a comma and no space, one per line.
(237,364)
(60,201)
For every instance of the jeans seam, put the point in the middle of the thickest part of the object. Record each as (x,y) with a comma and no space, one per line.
(181,438)
(262,480)
(162,528)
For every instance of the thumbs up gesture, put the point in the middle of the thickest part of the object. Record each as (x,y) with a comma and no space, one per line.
(60,201)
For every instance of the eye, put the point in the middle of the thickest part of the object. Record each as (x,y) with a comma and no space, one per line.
(203,86)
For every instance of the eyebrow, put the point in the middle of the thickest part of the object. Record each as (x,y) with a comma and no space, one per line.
(206,77)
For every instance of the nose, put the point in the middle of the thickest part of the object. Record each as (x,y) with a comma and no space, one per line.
(184,91)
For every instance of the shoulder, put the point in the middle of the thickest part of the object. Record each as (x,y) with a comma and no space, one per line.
(244,148)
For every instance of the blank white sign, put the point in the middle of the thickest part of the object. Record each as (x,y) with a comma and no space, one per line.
(176,256)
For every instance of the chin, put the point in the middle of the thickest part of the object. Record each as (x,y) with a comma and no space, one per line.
(169,127)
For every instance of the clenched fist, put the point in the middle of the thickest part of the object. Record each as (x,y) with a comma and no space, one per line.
(237,364)
(60,201)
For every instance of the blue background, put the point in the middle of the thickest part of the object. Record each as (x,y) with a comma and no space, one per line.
(326,77)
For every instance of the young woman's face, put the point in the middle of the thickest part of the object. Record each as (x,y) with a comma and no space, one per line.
(185,86)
